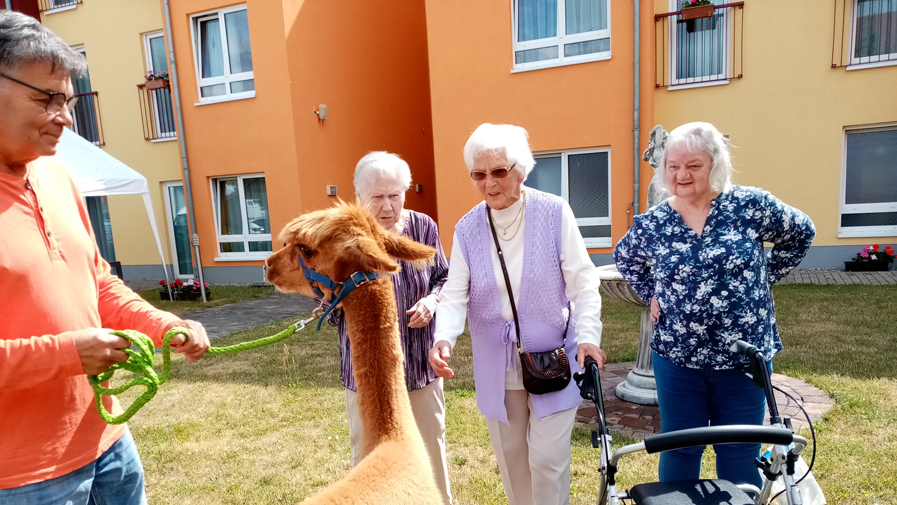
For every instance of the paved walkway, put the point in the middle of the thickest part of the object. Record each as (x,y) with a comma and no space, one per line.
(226,319)
(639,421)
(840,277)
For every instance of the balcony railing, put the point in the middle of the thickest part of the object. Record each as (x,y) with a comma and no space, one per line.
(864,32)
(48,5)
(156,113)
(86,115)
(699,50)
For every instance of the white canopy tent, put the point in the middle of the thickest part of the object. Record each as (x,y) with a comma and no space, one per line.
(98,173)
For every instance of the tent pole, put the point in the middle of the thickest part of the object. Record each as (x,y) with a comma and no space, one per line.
(179,117)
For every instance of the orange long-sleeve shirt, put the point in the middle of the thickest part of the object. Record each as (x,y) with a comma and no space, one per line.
(53,280)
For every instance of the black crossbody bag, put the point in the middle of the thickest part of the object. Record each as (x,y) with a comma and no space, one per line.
(543,372)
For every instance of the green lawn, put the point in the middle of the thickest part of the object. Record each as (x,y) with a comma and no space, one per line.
(268,426)
(222,294)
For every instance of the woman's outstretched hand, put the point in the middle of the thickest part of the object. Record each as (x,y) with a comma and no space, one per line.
(439,356)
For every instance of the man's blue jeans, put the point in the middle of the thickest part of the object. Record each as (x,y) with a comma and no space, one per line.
(115,478)
(693,398)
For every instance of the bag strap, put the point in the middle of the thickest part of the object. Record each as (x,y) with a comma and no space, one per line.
(504,270)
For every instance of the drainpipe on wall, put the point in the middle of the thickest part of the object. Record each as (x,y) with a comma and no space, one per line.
(179,118)
(9,5)
(636,120)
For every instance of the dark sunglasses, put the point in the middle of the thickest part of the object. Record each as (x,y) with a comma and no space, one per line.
(56,101)
(498,173)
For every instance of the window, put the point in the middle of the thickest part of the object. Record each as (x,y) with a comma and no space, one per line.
(241,217)
(582,178)
(85,114)
(98,210)
(699,47)
(160,98)
(869,183)
(178,229)
(559,32)
(222,55)
(874,31)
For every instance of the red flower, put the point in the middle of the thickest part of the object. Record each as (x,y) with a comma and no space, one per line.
(172,285)
(875,248)
(179,283)
(161,283)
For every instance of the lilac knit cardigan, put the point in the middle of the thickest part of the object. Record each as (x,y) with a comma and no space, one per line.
(541,307)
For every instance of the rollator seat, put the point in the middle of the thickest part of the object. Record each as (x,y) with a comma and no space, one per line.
(690,492)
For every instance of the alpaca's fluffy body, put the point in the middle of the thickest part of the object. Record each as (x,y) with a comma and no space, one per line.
(338,242)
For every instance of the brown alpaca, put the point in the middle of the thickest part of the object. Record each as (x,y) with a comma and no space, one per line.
(338,242)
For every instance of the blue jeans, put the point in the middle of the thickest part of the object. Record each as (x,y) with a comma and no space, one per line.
(115,478)
(692,398)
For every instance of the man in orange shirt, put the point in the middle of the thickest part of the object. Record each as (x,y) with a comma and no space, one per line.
(58,294)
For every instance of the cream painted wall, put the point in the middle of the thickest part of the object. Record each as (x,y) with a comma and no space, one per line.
(786,117)
(111,32)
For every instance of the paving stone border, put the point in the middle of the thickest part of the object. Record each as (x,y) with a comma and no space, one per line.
(639,421)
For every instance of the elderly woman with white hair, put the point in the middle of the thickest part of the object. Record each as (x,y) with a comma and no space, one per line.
(381,180)
(698,259)
(551,312)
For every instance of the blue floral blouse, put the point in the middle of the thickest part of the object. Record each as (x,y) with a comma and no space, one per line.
(714,288)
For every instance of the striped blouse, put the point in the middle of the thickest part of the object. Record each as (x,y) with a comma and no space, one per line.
(409,285)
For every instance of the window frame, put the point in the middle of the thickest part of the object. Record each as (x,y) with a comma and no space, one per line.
(148,54)
(172,243)
(245,238)
(855,63)
(590,242)
(862,208)
(227,78)
(559,40)
(694,82)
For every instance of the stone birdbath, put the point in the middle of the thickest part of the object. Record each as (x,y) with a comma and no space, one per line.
(639,386)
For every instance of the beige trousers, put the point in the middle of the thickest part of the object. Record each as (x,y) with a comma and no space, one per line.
(428,406)
(533,454)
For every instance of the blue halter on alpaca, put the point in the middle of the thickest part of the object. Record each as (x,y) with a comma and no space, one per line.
(314,278)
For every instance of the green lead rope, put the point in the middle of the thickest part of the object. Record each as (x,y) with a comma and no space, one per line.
(141,360)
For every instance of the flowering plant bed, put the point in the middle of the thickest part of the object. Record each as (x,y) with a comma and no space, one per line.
(871,258)
(180,290)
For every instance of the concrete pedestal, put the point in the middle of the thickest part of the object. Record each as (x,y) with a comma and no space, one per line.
(639,386)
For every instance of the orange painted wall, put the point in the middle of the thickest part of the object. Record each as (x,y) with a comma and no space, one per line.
(567,107)
(367,62)
(248,136)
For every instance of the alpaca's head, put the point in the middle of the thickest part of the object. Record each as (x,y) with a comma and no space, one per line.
(338,242)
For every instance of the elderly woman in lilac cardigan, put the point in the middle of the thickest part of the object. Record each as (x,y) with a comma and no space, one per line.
(538,235)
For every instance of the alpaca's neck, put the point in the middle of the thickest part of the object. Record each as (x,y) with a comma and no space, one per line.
(377,361)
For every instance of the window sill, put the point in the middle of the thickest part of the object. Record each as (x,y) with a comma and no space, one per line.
(854,233)
(243,258)
(697,85)
(167,139)
(556,63)
(60,9)
(877,64)
(225,99)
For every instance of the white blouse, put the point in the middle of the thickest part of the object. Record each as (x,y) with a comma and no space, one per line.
(579,273)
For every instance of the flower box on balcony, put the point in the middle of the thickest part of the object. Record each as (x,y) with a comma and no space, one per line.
(701,11)
(157,84)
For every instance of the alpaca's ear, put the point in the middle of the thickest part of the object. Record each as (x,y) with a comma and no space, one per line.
(369,257)
(406,249)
